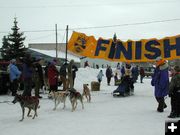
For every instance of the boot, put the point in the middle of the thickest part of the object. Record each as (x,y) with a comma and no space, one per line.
(161,105)
(173,115)
(160,109)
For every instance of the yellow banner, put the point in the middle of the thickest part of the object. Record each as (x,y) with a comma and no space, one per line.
(145,50)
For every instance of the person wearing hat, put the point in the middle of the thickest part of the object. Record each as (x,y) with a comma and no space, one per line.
(38,76)
(46,83)
(160,81)
(99,76)
(174,93)
(63,74)
(53,76)
(72,69)
(27,74)
(109,74)
(14,73)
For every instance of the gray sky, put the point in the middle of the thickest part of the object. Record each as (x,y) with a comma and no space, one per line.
(130,19)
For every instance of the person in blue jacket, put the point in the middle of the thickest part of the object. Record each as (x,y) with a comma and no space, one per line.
(14,76)
(160,81)
(99,76)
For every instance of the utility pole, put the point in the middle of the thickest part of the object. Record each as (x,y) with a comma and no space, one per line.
(66,41)
(56,41)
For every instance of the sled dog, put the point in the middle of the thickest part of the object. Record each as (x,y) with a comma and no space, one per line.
(30,102)
(59,97)
(74,96)
(86,92)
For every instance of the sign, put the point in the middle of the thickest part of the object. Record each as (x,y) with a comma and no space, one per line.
(145,50)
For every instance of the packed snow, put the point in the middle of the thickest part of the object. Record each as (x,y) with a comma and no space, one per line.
(105,115)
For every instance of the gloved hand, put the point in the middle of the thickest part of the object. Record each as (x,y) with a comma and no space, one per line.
(152,83)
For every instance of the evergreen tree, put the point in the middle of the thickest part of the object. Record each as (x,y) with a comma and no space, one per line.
(5,48)
(13,46)
(114,37)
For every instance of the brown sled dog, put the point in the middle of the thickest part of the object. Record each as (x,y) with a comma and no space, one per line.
(30,102)
(74,96)
(86,92)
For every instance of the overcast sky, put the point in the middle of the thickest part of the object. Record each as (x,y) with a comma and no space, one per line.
(129,19)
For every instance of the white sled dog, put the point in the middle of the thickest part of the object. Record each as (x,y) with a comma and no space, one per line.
(59,97)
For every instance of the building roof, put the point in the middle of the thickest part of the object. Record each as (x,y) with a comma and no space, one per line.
(48,46)
(52,53)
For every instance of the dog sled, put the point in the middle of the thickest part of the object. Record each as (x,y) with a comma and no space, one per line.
(125,88)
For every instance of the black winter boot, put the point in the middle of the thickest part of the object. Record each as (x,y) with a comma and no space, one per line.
(161,105)
(173,115)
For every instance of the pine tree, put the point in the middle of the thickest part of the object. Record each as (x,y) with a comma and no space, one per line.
(14,47)
(114,37)
(5,48)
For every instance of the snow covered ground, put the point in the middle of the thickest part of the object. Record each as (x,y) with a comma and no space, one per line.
(105,115)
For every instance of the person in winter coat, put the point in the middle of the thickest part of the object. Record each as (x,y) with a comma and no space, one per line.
(115,77)
(99,76)
(109,74)
(86,64)
(72,69)
(174,93)
(128,79)
(53,76)
(135,73)
(122,71)
(14,76)
(46,82)
(142,74)
(38,76)
(160,80)
(27,75)
(118,67)
(63,73)
(117,80)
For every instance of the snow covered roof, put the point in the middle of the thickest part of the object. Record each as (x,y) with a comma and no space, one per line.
(52,53)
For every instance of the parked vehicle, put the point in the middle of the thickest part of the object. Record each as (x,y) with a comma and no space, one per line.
(148,71)
(4,78)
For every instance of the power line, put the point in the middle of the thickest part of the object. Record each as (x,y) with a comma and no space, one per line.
(42,30)
(127,24)
(100,27)
(31,31)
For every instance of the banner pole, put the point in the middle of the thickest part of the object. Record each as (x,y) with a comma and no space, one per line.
(66,42)
(56,41)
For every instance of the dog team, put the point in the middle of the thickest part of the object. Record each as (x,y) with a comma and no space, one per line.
(32,75)
(32,102)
